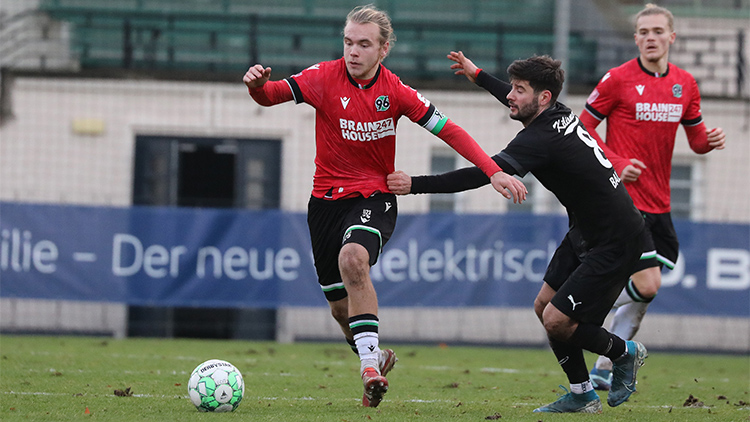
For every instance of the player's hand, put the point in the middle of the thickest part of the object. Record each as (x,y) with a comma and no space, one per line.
(716,138)
(631,172)
(509,186)
(256,76)
(399,183)
(463,66)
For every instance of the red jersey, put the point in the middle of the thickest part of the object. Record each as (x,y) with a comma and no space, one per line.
(355,127)
(643,111)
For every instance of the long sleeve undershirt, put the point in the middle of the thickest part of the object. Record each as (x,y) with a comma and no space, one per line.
(698,138)
(498,88)
(271,93)
(460,180)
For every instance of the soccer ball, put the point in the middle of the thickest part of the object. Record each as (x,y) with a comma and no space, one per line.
(216,386)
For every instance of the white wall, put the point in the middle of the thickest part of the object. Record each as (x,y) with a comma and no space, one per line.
(43,159)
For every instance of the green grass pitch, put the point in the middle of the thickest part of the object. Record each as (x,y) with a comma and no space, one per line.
(74,378)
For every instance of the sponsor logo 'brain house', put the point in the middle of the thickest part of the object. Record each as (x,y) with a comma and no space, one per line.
(367,131)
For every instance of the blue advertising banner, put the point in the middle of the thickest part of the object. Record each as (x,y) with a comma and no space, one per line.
(164,256)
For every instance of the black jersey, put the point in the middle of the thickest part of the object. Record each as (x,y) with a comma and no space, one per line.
(560,153)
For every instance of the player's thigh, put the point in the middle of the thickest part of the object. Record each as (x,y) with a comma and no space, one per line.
(325,221)
(661,246)
(565,260)
(665,240)
(590,291)
(370,223)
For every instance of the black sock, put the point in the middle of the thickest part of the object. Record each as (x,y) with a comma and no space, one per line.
(635,294)
(596,339)
(353,345)
(570,358)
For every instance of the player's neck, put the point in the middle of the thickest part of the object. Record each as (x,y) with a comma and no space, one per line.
(658,67)
(362,82)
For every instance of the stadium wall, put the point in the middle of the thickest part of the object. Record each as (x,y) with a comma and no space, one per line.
(71,141)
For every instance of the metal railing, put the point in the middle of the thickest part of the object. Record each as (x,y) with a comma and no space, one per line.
(214,46)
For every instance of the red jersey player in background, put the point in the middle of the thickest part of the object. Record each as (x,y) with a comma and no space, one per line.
(644,101)
(352,213)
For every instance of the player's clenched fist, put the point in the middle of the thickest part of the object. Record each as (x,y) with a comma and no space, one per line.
(256,76)
(399,183)
(716,138)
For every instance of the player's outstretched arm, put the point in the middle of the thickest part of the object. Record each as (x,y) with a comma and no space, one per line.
(459,180)
(257,76)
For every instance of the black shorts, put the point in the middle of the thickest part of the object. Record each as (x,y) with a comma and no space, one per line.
(588,284)
(366,221)
(661,247)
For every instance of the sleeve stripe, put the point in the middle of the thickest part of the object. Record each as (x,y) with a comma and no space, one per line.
(427,115)
(438,126)
(692,122)
(296,92)
(435,120)
(594,112)
(520,170)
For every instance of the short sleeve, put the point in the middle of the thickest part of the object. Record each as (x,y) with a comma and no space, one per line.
(603,100)
(413,105)
(308,86)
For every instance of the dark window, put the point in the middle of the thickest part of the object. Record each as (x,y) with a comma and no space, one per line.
(442,161)
(207,172)
(682,190)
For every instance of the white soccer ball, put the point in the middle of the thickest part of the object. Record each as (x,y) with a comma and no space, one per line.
(216,386)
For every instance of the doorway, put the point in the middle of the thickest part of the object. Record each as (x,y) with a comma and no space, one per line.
(205,176)
(211,173)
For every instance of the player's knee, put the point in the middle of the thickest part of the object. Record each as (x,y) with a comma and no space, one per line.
(647,282)
(649,286)
(555,329)
(353,258)
(557,325)
(649,290)
(539,306)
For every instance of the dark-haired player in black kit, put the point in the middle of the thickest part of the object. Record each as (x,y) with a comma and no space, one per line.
(592,264)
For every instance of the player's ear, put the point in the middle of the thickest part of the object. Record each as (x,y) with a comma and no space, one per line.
(384,50)
(545,98)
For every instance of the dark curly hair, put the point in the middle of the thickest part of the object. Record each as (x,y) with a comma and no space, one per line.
(542,73)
